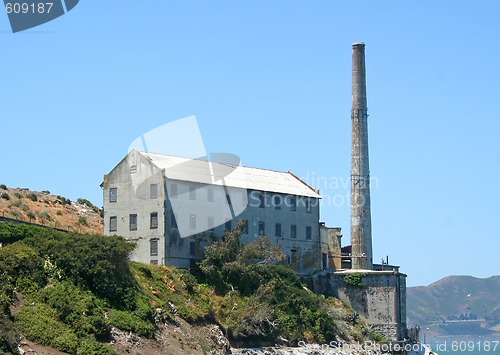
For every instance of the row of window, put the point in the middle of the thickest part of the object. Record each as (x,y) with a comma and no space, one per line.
(256,199)
(153,222)
(153,192)
(210,225)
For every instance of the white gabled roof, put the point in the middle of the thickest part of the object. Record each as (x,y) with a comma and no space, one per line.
(201,171)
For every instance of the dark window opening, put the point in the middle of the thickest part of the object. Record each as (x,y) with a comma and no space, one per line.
(262,228)
(278,230)
(133,222)
(154,220)
(112,224)
(153,191)
(113,194)
(153,247)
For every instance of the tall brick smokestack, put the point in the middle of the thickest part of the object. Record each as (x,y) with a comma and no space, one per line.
(361,225)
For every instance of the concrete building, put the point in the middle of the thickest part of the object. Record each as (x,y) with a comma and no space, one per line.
(173,207)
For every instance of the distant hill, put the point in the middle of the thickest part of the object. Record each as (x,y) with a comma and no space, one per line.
(44,208)
(456,305)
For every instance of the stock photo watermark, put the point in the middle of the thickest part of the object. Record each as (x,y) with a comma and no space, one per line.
(26,14)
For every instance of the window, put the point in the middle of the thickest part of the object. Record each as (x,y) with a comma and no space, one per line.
(192,248)
(293,231)
(113,194)
(308,232)
(210,224)
(153,262)
(154,220)
(262,228)
(173,191)
(153,191)
(228,225)
(228,199)
(132,219)
(262,200)
(153,247)
(293,204)
(192,192)
(173,221)
(277,232)
(277,202)
(308,205)
(245,227)
(133,169)
(192,221)
(210,194)
(112,224)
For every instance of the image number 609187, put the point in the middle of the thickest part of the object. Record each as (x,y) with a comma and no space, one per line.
(26,14)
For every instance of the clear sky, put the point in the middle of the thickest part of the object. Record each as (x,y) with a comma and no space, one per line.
(270,81)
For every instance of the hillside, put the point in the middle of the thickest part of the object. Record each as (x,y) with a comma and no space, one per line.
(46,209)
(456,305)
(80,294)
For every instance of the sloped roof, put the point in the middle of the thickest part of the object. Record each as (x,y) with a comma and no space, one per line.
(202,171)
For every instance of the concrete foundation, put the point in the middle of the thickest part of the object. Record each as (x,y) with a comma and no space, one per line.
(379,297)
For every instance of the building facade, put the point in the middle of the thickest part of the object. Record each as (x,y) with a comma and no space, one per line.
(173,207)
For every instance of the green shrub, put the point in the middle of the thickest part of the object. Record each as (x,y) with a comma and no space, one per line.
(39,323)
(18,195)
(59,213)
(82,221)
(47,192)
(44,215)
(25,208)
(17,203)
(87,203)
(355,280)
(31,215)
(89,346)
(3,187)
(130,322)
(32,196)
(8,341)
(5,196)
(79,309)
(64,200)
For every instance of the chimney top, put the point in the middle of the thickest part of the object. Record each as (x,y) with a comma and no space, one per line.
(358,44)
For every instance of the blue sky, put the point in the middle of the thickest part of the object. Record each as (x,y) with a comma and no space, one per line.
(271,82)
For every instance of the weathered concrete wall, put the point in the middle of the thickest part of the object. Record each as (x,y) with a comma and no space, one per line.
(380,300)
(132,179)
(331,244)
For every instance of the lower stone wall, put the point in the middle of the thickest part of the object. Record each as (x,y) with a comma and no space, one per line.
(379,297)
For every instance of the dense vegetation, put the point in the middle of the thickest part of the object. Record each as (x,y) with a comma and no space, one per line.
(74,287)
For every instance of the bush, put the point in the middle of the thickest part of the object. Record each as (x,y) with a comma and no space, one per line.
(39,323)
(130,322)
(32,197)
(59,213)
(3,187)
(47,192)
(8,341)
(44,215)
(17,203)
(5,196)
(64,200)
(31,215)
(89,346)
(79,309)
(82,221)
(87,203)
(18,195)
